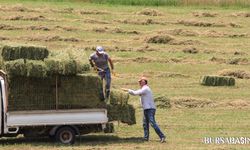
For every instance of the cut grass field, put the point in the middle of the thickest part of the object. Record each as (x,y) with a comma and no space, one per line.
(220,36)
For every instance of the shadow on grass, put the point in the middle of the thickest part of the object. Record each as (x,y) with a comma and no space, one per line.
(80,140)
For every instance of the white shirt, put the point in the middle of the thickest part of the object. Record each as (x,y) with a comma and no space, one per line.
(147,99)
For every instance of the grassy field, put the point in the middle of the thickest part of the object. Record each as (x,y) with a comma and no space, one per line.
(204,41)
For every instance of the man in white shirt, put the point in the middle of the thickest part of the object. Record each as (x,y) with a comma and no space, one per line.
(149,108)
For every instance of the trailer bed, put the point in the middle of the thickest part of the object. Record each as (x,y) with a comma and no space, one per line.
(56,117)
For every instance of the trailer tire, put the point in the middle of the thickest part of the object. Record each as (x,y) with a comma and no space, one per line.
(65,135)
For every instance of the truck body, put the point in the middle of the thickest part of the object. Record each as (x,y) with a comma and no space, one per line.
(63,125)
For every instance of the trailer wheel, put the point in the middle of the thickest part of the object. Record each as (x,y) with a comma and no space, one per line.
(66,135)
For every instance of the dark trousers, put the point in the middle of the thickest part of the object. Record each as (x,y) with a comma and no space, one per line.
(149,118)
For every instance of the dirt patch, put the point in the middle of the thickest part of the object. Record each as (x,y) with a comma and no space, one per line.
(149,12)
(191,102)
(27,18)
(241,14)
(160,39)
(242,74)
(238,61)
(8,27)
(204,14)
(190,50)
(93,12)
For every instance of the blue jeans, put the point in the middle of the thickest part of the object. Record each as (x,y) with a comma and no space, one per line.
(149,118)
(106,75)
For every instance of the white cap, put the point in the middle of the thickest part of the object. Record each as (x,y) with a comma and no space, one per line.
(100,49)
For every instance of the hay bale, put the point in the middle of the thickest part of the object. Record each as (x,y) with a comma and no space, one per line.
(64,63)
(29,68)
(217,81)
(83,90)
(162,39)
(15,67)
(118,97)
(36,69)
(24,52)
(162,102)
(123,113)
(242,74)
(29,93)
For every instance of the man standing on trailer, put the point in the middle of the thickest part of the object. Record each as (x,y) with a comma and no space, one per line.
(99,61)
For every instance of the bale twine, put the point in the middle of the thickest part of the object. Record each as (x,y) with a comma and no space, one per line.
(118,97)
(24,52)
(217,81)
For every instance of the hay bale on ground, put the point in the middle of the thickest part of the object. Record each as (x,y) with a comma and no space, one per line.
(217,81)
(162,102)
(118,97)
(24,52)
(235,73)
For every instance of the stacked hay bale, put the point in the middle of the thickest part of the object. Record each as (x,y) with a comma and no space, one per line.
(217,81)
(42,81)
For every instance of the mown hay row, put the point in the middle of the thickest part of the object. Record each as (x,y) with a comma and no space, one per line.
(24,52)
(118,97)
(123,113)
(217,81)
